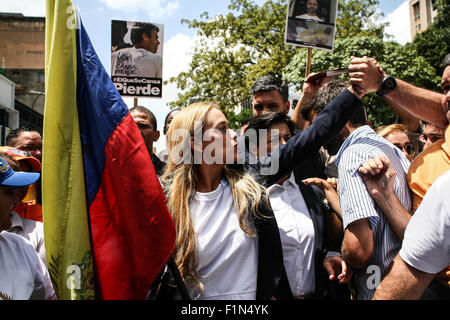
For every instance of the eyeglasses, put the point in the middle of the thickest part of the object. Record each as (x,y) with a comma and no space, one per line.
(432,138)
(408,148)
(30,147)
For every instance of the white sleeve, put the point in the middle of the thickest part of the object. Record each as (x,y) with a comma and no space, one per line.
(426,245)
(46,282)
(43,288)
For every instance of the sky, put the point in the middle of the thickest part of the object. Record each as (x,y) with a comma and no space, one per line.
(178,38)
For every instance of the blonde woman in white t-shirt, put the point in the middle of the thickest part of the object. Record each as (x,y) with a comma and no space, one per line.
(228,246)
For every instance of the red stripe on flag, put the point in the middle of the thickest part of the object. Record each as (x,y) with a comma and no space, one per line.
(133,234)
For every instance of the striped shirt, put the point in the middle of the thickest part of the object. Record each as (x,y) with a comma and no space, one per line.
(356,202)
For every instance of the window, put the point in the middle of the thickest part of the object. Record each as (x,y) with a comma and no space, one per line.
(416,10)
(418,27)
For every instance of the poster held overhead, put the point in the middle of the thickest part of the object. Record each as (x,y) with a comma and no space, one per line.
(311,23)
(136,58)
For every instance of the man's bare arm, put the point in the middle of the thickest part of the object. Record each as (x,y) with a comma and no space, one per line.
(408,119)
(403,282)
(421,103)
(378,175)
(308,91)
(357,246)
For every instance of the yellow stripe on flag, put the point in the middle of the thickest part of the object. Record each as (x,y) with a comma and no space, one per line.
(66,227)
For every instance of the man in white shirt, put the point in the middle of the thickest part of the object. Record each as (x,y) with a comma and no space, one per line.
(31,230)
(425,249)
(312,7)
(140,60)
(23,274)
(300,216)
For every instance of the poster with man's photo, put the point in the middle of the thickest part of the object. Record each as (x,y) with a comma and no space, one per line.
(311,23)
(136,58)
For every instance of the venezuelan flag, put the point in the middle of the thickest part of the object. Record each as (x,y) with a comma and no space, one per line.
(108,232)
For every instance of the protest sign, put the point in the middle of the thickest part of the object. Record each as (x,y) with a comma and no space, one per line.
(136,58)
(311,23)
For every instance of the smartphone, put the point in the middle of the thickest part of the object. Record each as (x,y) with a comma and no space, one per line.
(330,73)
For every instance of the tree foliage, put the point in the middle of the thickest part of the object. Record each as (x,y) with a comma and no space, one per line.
(357,18)
(248,42)
(434,43)
(404,62)
(235,120)
(393,57)
(233,51)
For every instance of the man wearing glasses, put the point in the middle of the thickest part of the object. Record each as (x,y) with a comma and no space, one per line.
(371,240)
(26,140)
(31,141)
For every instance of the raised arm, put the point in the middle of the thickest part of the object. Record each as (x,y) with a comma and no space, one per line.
(308,91)
(303,145)
(378,174)
(421,103)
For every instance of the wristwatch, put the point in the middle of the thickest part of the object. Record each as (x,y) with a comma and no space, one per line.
(387,85)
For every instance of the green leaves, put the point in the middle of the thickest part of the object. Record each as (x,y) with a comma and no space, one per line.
(236,48)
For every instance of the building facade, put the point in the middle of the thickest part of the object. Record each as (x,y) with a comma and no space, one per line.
(22,61)
(421,15)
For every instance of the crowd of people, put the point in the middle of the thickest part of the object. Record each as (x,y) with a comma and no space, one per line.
(318,205)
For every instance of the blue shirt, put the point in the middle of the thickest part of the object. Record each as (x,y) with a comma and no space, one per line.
(356,202)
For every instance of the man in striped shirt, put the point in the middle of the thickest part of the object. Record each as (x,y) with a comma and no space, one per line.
(371,239)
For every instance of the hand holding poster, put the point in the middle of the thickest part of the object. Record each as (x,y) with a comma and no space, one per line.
(136,59)
(311,23)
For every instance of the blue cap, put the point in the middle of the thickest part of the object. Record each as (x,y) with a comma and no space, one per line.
(8,177)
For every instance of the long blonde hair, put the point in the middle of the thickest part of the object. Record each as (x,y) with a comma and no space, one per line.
(180,180)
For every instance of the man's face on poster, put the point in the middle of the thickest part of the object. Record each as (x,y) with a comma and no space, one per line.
(311,7)
(151,42)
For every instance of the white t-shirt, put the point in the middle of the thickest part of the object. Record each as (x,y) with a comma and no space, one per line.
(31,230)
(136,62)
(23,275)
(426,245)
(227,258)
(308,17)
(297,235)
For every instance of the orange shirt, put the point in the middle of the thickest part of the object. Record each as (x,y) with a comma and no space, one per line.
(29,211)
(427,167)
(31,194)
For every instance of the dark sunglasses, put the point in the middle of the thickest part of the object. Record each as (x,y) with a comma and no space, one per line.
(408,148)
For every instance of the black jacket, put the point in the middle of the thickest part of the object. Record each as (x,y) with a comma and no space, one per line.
(304,145)
(272,279)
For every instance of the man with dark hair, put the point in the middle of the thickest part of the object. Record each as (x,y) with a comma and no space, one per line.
(312,9)
(27,140)
(31,141)
(140,60)
(372,237)
(430,134)
(425,105)
(146,122)
(270,94)
(306,225)
(315,97)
